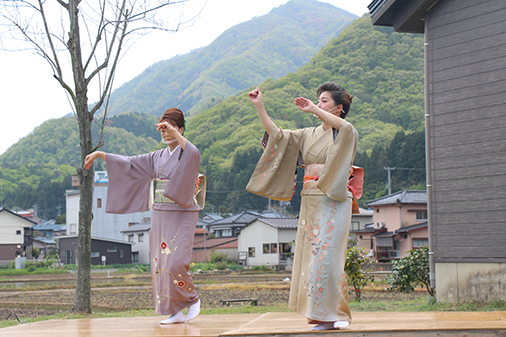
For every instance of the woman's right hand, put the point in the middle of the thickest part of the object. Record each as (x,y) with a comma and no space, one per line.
(88,161)
(255,96)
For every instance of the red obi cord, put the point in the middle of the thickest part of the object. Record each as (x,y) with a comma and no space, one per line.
(306,178)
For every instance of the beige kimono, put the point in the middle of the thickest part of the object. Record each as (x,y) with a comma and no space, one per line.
(319,290)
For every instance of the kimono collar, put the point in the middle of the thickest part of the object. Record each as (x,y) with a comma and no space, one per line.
(171,152)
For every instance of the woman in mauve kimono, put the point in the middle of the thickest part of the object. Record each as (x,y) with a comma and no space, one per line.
(176,200)
(318,290)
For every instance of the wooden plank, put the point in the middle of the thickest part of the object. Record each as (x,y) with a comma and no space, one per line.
(470,28)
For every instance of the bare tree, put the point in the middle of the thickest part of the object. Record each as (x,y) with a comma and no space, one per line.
(83,42)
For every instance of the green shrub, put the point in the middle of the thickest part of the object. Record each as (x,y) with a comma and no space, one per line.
(410,271)
(356,265)
(218,257)
(222,265)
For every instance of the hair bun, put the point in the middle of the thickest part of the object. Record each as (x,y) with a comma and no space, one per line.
(349,97)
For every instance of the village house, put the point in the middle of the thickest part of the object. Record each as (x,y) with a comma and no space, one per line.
(103,251)
(268,242)
(399,224)
(16,235)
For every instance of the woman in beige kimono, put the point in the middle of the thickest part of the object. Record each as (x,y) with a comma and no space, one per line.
(167,181)
(319,290)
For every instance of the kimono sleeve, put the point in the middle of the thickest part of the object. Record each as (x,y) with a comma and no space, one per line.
(273,175)
(334,178)
(182,182)
(129,183)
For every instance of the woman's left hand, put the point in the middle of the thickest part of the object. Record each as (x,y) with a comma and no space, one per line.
(305,105)
(166,127)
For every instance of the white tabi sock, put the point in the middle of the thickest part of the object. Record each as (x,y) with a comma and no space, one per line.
(176,318)
(193,310)
(324,326)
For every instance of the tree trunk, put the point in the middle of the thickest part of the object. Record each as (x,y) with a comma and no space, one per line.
(82,299)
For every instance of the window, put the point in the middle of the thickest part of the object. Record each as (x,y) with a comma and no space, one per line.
(146,220)
(397,248)
(18,232)
(112,250)
(95,254)
(72,228)
(99,203)
(131,238)
(420,243)
(227,232)
(251,251)
(140,238)
(355,225)
(18,253)
(135,256)
(270,248)
(285,247)
(120,254)
(421,215)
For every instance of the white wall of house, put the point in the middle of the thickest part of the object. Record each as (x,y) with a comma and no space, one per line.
(359,220)
(140,245)
(11,229)
(107,225)
(72,211)
(254,238)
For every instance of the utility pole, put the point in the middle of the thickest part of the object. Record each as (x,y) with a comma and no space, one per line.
(389,181)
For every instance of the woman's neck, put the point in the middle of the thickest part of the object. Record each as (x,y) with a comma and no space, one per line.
(173,146)
(325,126)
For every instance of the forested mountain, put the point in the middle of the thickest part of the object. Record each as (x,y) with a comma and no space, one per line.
(269,46)
(56,141)
(382,69)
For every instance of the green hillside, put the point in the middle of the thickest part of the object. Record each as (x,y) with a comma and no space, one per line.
(269,46)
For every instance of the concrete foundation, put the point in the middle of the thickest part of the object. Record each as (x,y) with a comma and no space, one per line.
(460,282)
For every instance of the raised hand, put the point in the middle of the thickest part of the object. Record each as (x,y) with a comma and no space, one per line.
(305,105)
(167,127)
(255,96)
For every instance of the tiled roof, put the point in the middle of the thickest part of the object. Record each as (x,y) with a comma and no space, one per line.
(401,197)
(410,228)
(283,223)
(230,242)
(237,219)
(49,227)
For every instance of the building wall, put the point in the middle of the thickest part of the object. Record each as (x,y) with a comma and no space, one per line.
(407,243)
(9,226)
(395,217)
(72,211)
(467,84)
(141,247)
(255,235)
(115,252)
(468,118)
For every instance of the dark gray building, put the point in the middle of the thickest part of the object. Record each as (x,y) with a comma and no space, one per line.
(114,251)
(465,84)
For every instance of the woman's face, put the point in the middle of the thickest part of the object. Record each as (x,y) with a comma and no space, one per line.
(325,102)
(167,137)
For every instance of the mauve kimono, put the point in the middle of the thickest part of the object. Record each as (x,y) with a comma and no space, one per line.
(319,289)
(174,217)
